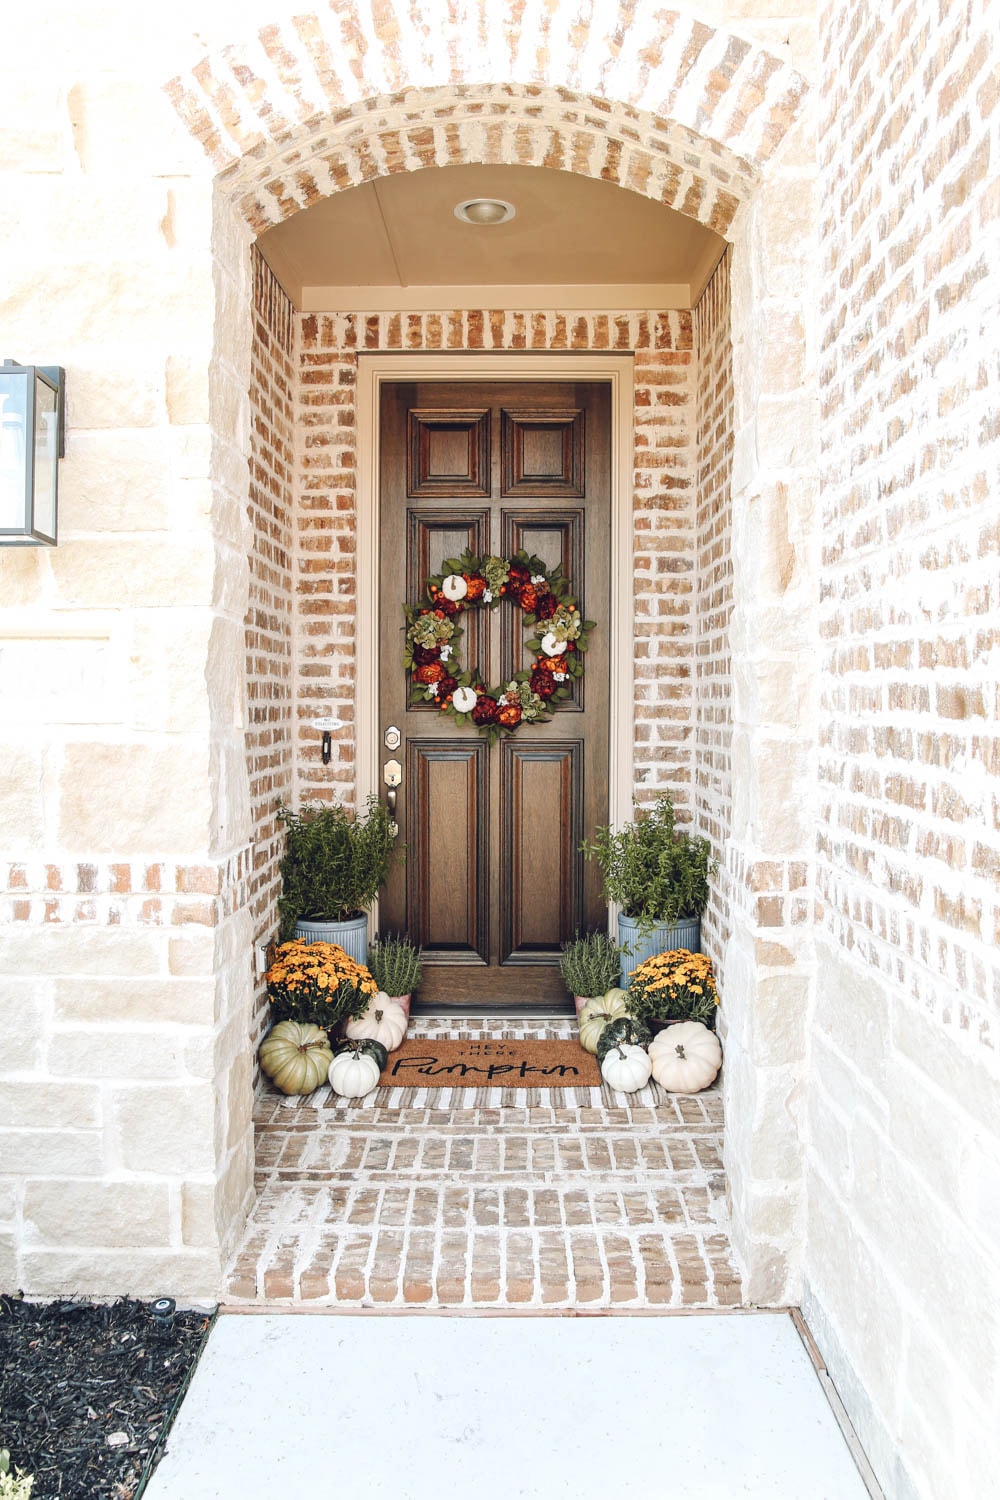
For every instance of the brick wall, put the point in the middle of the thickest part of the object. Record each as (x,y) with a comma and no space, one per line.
(664,489)
(904,1235)
(269,619)
(714,592)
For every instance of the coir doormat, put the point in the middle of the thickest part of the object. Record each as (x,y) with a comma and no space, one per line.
(424,1062)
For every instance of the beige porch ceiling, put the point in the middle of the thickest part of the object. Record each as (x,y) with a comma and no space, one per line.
(400,232)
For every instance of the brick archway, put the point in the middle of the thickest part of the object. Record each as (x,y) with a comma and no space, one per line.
(692,117)
(655,100)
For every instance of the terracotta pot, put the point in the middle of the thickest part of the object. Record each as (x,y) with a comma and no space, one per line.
(404,1001)
(580,1001)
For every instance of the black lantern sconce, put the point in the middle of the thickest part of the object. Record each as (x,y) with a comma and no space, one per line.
(31,445)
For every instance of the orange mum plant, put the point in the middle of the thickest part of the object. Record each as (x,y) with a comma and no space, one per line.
(317,982)
(674,986)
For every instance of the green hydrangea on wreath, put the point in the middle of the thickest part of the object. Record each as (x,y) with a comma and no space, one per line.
(433,633)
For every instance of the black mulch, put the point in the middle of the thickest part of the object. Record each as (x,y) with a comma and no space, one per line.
(87,1392)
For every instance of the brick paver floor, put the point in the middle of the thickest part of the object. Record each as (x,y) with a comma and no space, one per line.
(505,1199)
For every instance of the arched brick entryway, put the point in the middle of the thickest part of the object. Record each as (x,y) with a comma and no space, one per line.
(693,117)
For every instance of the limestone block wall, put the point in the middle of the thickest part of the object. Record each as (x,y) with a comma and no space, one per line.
(904,1120)
(665,518)
(772,643)
(124,828)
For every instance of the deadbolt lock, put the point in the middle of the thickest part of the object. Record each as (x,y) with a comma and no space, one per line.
(392,738)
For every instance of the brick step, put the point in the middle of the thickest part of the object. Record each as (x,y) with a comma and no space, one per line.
(326,1111)
(554,1200)
(587,1268)
(461,1153)
(485,1204)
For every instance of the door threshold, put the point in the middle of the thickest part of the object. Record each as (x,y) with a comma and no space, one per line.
(504,1010)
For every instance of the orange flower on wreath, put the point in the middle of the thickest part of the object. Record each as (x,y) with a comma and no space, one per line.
(431,671)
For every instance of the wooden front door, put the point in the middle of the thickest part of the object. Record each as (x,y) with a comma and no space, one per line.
(493,882)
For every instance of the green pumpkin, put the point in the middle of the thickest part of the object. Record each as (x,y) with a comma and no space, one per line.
(596,1014)
(622,1031)
(365,1046)
(296,1056)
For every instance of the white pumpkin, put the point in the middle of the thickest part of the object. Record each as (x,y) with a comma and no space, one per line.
(686,1057)
(354,1073)
(551,645)
(595,1015)
(464,700)
(382,1019)
(626,1068)
(454,587)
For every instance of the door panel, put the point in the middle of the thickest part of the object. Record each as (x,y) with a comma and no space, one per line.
(449,885)
(557,537)
(433,536)
(449,454)
(543,454)
(541,802)
(493,883)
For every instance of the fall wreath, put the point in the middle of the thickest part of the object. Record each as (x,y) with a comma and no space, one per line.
(433,633)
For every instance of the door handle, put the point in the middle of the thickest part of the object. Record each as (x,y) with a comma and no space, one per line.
(392,775)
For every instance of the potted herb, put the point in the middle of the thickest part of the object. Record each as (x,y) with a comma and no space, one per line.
(335,861)
(657,875)
(395,967)
(589,966)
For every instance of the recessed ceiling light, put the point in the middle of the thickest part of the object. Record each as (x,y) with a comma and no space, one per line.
(484,211)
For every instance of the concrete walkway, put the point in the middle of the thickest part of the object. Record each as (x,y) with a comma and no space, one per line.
(547,1408)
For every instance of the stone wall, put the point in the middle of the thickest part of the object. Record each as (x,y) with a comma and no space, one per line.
(713,705)
(664,487)
(271,616)
(123,832)
(904,1121)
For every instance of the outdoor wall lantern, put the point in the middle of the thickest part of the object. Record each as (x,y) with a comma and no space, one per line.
(31,444)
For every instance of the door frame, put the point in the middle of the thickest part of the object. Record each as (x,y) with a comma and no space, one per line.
(614,370)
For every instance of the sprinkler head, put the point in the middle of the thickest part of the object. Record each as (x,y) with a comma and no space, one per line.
(162,1313)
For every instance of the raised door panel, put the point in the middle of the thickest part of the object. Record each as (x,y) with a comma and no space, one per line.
(433,535)
(449,454)
(541,875)
(543,453)
(448,878)
(557,537)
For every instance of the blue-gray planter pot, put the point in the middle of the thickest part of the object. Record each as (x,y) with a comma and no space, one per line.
(352,936)
(658,940)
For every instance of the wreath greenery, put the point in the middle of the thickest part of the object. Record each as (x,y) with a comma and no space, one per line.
(433,633)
